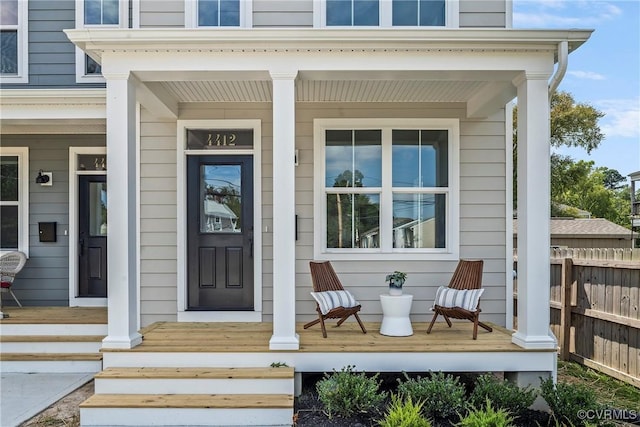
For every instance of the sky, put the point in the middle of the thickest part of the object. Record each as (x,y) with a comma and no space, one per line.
(604,72)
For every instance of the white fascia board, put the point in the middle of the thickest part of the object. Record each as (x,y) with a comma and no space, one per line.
(95,40)
(52,104)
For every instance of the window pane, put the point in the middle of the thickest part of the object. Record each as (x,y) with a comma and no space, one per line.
(405,12)
(98,208)
(8,12)
(92,12)
(432,13)
(9,49)
(110,12)
(353,221)
(419,220)
(221,192)
(339,12)
(353,158)
(420,158)
(208,13)
(229,13)
(9,229)
(365,12)
(9,178)
(92,162)
(91,66)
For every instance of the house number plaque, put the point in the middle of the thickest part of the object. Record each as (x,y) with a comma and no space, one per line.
(219,139)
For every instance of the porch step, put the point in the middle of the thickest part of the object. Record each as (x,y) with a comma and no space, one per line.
(134,396)
(187,409)
(56,329)
(194,380)
(50,343)
(50,362)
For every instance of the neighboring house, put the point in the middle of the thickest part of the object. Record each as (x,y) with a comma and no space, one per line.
(585,233)
(330,120)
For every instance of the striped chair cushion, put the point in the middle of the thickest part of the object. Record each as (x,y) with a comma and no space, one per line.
(464,298)
(328,300)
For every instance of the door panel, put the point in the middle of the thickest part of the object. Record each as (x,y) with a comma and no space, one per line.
(92,233)
(220,232)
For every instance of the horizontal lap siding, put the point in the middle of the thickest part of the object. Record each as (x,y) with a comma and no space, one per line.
(165,13)
(44,281)
(282,13)
(483,13)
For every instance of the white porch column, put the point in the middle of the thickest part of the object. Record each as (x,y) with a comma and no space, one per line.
(533,212)
(284,244)
(122,199)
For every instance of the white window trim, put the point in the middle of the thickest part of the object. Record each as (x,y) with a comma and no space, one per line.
(191,15)
(23,46)
(123,22)
(452,15)
(23,195)
(74,300)
(386,212)
(182,152)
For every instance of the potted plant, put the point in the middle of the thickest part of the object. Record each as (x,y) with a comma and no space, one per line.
(396,280)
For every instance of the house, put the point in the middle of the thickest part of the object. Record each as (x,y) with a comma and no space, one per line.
(328,120)
(585,233)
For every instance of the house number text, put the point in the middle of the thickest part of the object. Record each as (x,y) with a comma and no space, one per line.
(222,139)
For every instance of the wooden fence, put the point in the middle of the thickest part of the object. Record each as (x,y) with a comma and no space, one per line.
(595,314)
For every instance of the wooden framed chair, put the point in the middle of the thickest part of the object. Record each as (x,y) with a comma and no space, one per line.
(467,276)
(10,265)
(332,301)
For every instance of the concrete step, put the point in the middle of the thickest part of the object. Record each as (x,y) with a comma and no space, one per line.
(187,409)
(195,380)
(50,362)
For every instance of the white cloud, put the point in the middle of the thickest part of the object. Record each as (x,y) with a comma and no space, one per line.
(589,75)
(562,13)
(622,117)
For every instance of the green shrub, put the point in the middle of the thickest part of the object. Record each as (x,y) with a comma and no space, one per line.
(487,417)
(442,394)
(567,401)
(503,395)
(347,392)
(404,413)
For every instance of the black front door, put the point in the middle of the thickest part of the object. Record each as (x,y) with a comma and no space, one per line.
(220,232)
(92,223)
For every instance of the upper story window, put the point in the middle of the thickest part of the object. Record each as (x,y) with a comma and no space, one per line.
(217,13)
(386,13)
(14,199)
(13,41)
(386,188)
(97,14)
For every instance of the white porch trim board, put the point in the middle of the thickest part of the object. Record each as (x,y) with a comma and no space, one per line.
(533,212)
(123,198)
(284,208)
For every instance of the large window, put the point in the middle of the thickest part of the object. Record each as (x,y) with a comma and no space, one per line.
(13,41)
(92,14)
(387,13)
(217,13)
(386,186)
(14,199)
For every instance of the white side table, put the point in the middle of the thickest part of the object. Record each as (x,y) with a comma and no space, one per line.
(395,315)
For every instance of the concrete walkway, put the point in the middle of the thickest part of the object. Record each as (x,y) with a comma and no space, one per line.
(24,395)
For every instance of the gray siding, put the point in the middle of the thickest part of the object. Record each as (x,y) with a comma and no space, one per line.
(282,13)
(483,13)
(482,199)
(159,14)
(51,55)
(45,279)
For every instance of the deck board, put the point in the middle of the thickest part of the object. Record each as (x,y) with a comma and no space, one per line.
(55,315)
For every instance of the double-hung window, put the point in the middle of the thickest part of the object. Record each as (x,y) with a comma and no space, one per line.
(97,14)
(386,13)
(217,13)
(13,41)
(386,188)
(14,199)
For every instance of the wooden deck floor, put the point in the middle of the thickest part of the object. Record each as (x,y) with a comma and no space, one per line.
(55,315)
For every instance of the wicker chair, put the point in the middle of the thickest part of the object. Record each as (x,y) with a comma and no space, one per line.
(324,278)
(10,264)
(468,275)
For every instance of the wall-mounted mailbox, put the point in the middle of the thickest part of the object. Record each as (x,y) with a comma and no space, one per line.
(47,231)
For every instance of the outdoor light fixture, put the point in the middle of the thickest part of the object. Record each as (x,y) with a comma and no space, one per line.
(44,178)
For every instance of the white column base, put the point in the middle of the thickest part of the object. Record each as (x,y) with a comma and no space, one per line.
(534,342)
(122,342)
(284,342)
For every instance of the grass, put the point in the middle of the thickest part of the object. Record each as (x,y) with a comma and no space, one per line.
(610,391)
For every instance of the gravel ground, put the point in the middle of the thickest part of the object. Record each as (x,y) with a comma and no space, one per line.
(65,412)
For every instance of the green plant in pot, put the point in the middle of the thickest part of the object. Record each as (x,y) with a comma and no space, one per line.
(396,280)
